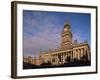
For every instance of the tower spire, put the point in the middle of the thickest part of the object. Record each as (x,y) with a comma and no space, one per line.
(66,35)
(67,22)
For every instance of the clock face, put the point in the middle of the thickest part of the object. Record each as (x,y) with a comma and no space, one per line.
(65,29)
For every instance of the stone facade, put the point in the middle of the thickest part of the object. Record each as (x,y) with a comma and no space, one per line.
(68,52)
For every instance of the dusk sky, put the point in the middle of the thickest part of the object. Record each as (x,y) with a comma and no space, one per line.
(42,29)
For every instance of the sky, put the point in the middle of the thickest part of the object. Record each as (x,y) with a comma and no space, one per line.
(42,29)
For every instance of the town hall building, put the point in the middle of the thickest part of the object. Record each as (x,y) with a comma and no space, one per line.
(69,51)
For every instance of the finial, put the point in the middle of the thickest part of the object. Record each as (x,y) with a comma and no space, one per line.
(67,21)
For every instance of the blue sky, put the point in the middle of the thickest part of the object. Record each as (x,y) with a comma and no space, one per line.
(42,29)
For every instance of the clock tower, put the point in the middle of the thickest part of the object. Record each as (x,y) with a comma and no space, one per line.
(66,36)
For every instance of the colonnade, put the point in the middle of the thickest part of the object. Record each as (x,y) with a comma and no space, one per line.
(60,58)
(68,56)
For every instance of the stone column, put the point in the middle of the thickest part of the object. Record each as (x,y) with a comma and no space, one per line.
(52,58)
(81,52)
(63,57)
(66,55)
(84,52)
(89,55)
(71,55)
(78,54)
(75,54)
(56,59)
